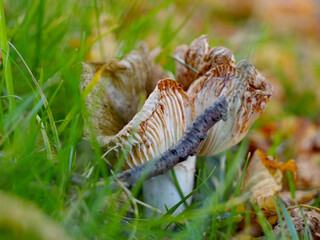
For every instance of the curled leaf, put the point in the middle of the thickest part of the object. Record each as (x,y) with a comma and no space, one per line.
(263,180)
(274,164)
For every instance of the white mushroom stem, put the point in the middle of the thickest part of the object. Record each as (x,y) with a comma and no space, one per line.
(162,192)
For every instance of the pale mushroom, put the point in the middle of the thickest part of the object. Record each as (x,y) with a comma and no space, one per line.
(169,110)
(158,126)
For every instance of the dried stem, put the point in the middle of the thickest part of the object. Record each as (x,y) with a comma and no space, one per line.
(185,147)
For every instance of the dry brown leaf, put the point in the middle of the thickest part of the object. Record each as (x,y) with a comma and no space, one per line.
(273,164)
(263,180)
(302,197)
(308,170)
(301,139)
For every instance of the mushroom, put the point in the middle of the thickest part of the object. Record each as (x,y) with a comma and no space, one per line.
(159,125)
(170,109)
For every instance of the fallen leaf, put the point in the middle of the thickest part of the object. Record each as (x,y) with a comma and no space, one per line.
(263,179)
(301,196)
(300,140)
(308,170)
(274,164)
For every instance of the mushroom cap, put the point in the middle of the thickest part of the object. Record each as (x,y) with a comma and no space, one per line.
(246,92)
(245,89)
(200,57)
(114,99)
(169,109)
(105,120)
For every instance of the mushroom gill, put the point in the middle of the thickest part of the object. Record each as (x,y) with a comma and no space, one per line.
(246,92)
(159,125)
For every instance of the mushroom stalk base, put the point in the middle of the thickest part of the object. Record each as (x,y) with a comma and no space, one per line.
(162,193)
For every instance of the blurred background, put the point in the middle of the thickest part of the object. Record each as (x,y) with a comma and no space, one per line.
(280,37)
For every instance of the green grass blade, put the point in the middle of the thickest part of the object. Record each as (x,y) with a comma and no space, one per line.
(291,185)
(45,137)
(6,60)
(280,220)
(288,219)
(45,101)
(176,183)
(236,194)
(263,222)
